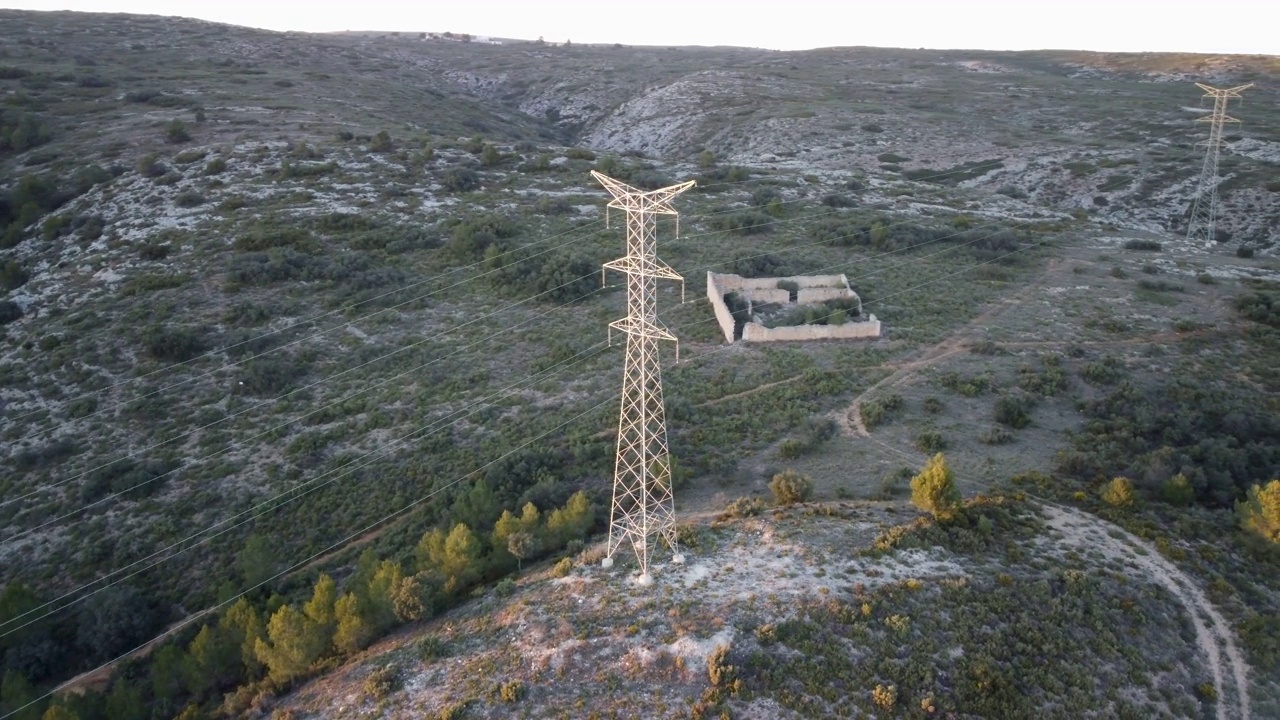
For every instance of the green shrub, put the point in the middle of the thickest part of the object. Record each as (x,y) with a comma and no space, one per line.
(381,682)
(878,411)
(186,157)
(176,132)
(562,568)
(1177,491)
(173,344)
(215,166)
(966,386)
(189,199)
(1260,306)
(930,441)
(1159,286)
(506,587)
(790,487)
(153,251)
(150,166)
(744,507)
(151,282)
(431,648)
(268,375)
(382,142)
(995,436)
(511,692)
(9,311)
(12,276)
(1013,411)
(1145,245)
(460,180)
(790,449)
(1103,372)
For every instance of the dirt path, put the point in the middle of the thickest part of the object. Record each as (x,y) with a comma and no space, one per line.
(1214,636)
(850,420)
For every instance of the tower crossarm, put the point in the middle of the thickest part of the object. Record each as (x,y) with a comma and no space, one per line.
(640,265)
(633,199)
(1210,91)
(642,328)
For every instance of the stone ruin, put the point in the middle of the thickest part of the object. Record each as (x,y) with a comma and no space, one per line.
(759,301)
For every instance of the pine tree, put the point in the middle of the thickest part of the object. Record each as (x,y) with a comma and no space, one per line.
(503,529)
(351,631)
(59,712)
(125,702)
(934,489)
(1177,491)
(244,629)
(320,607)
(478,506)
(380,594)
(530,518)
(213,660)
(296,642)
(16,692)
(573,521)
(461,561)
(430,549)
(256,561)
(1259,512)
(455,556)
(366,566)
(1118,492)
(168,666)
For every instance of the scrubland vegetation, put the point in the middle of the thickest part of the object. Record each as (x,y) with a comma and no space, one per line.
(310,370)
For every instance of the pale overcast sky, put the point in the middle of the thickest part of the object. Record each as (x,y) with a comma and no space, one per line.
(1215,26)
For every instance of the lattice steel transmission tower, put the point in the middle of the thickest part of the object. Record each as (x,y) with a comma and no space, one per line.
(643,511)
(1204,209)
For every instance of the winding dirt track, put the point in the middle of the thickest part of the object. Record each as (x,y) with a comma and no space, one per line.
(1213,634)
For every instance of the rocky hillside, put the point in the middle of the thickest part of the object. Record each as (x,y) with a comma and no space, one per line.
(274,300)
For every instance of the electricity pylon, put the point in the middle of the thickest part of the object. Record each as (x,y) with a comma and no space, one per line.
(1204,209)
(643,510)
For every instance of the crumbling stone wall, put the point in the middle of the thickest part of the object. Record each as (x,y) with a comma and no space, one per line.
(812,289)
(723,317)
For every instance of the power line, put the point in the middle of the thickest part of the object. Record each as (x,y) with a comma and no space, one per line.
(292,392)
(413,300)
(323,332)
(439,490)
(271,430)
(421,432)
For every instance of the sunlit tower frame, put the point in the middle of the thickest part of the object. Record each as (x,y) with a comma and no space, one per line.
(1204,209)
(643,508)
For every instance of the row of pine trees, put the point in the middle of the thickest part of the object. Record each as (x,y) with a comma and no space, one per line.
(255,649)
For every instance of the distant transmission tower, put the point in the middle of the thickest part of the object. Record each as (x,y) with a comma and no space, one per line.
(643,511)
(1204,210)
